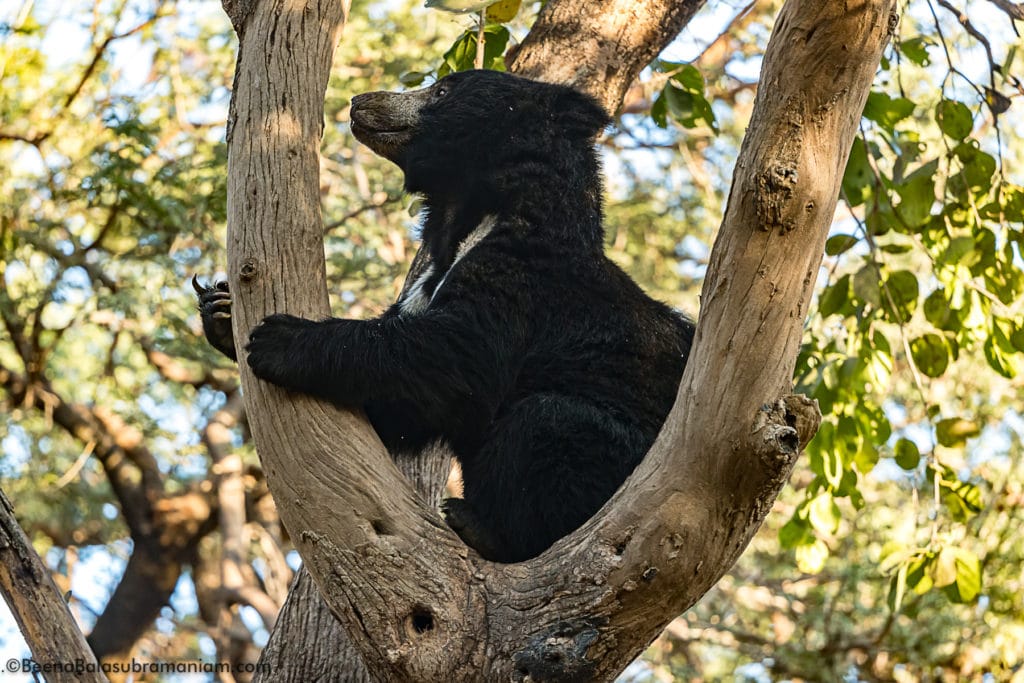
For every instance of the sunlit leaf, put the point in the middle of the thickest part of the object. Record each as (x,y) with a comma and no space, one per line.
(954,119)
(887,111)
(954,431)
(823,514)
(907,454)
(968,577)
(810,558)
(915,50)
(930,354)
(834,296)
(503,11)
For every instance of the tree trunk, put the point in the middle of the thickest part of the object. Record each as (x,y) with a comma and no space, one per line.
(308,643)
(415,602)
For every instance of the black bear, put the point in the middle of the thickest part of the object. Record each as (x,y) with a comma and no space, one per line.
(545,367)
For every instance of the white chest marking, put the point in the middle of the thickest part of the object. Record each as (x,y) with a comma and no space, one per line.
(472,239)
(416,301)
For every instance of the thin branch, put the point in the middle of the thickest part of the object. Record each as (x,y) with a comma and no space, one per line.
(359,210)
(977,35)
(101,50)
(481,37)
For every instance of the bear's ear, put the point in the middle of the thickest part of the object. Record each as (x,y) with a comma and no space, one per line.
(579,115)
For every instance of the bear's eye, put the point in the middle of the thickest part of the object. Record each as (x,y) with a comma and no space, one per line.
(441,92)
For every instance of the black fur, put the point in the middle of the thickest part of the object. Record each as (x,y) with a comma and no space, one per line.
(544,366)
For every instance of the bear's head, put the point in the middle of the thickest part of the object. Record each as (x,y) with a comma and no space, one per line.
(476,128)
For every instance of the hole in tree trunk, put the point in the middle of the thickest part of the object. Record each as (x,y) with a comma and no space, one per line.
(422,619)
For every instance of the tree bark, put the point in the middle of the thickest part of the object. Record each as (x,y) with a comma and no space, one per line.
(308,643)
(42,615)
(600,47)
(415,602)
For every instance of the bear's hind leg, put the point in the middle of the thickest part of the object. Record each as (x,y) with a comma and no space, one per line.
(550,462)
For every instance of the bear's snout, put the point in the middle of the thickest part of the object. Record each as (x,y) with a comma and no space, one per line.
(386,121)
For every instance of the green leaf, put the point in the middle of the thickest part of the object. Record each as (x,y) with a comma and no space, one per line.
(918,574)
(688,106)
(931,354)
(823,513)
(954,119)
(915,50)
(917,195)
(939,312)
(902,293)
(959,252)
(794,533)
(978,166)
(968,577)
(907,454)
(962,499)
(879,364)
(887,111)
(834,297)
(837,244)
(412,78)
(503,11)
(944,568)
(897,589)
(810,558)
(690,79)
(865,285)
(461,56)
(895,248)
(1017,337)
(866,458)
(495,40)
(997,358)
(664,66)
(858,179)
(953,432)
(659,110)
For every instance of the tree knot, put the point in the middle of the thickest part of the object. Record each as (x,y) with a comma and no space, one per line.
(782,429)
(774,189)
(559,652)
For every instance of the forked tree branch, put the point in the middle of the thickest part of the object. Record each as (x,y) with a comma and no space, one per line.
(308,642)
(416,602)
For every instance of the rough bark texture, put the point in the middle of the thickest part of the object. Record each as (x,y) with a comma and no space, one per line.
(600,47)
(416,603)
(42,615)
(307,642)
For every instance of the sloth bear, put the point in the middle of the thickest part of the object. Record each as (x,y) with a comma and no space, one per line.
(544,367)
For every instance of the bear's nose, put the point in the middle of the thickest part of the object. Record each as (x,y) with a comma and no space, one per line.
(360,100)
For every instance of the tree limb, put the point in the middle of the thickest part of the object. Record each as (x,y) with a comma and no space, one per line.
(415,601)
(308,642)
(42,615)
(599,47)
(164,529)
(1015,10)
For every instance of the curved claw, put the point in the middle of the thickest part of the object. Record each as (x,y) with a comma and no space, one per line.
(200,289)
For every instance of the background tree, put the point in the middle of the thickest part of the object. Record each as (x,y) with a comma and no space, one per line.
(110,181)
